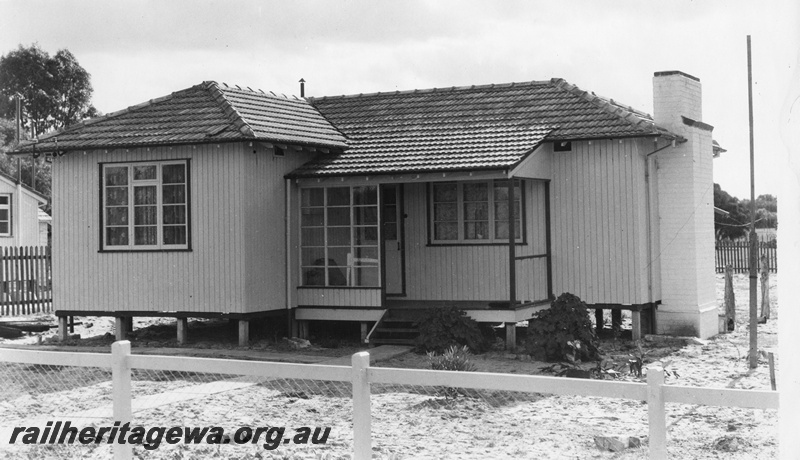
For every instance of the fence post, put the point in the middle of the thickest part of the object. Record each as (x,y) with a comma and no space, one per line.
(121,388)
(656,414)
(362,416)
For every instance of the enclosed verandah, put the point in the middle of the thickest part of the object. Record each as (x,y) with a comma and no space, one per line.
(423,241)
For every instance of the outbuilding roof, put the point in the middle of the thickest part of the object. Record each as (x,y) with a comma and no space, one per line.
(471,127)
(26,188)
(204,113)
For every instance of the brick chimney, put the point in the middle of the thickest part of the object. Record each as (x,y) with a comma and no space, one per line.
(685,187)
(676,94)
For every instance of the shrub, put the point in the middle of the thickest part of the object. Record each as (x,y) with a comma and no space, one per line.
(454,359)
(562,332)
(439,328)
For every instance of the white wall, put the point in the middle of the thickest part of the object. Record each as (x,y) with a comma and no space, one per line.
(210,278)
(598,208)
(24,217)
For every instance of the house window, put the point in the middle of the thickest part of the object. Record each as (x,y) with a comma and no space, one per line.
(473,212)
(145,206)
(5,215)
(339,236)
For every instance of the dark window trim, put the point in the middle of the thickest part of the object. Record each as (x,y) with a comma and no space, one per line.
(102,245)
(114,251)
(352,288)
(352,225)
(11,216)
(401,234)
(523,241)
(472,243)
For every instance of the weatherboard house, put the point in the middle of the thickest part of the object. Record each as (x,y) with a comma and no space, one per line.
(221,201)
(22,222)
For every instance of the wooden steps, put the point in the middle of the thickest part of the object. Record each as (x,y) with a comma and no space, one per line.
(398,327)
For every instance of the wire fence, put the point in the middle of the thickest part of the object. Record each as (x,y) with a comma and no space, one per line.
(408,413)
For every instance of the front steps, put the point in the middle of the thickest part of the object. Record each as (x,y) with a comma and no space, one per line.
(398,327)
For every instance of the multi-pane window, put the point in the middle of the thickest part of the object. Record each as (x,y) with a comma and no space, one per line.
(5,215)
(145,206)
(339,236)
(474,212)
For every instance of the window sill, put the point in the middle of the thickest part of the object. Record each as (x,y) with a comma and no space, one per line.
(339,287)
(475,243)
(114,251)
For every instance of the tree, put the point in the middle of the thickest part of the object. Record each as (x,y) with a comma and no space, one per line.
(734,224)
(74,90)
(56,91)
(8,165)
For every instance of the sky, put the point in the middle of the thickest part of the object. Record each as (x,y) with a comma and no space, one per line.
(140,50)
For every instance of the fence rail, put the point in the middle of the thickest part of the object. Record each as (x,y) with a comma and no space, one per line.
(25,280)
(737,254)
(361,376)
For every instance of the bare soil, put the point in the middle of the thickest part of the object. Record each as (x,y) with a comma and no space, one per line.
(417,422)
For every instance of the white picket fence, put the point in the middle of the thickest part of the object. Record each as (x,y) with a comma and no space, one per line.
(655,392)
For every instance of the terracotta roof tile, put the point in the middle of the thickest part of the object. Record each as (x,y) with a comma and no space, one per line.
(429,150)
(490,126)
(204,113)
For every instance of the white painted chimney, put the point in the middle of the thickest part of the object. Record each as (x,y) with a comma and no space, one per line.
(676,94)
(685,210)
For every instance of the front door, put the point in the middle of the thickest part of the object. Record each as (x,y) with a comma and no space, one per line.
(392,226)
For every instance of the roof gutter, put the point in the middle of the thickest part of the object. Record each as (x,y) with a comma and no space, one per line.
(53,148)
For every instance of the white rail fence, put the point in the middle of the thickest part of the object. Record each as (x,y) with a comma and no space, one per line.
(655,392)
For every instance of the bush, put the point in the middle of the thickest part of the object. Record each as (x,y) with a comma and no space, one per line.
(454,359)
(562,332)
(440,328)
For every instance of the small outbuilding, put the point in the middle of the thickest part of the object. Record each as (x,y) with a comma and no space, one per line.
(21,219)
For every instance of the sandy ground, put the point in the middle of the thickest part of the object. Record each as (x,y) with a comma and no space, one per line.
(419,422)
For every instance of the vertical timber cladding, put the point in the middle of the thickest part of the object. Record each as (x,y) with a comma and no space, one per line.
(598,208)
(476,272)
(263,205)
(209,278)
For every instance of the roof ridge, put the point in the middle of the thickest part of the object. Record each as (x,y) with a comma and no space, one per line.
(261,92)
(228,109)
(433,90)
(635,118)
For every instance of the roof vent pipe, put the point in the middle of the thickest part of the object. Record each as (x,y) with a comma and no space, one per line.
(302,88)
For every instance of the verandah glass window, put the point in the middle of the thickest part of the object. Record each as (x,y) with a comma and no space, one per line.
(339,236)
(145,206)
(474,212)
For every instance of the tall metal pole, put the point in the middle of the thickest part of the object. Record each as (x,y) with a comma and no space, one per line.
(753,237)
(19,129)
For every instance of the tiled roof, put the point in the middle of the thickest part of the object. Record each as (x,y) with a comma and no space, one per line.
(203,113)
(429,150)
(475,127)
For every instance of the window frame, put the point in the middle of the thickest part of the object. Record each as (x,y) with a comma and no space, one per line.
(160,246)
(353,226)
(460,219)
(7,207)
